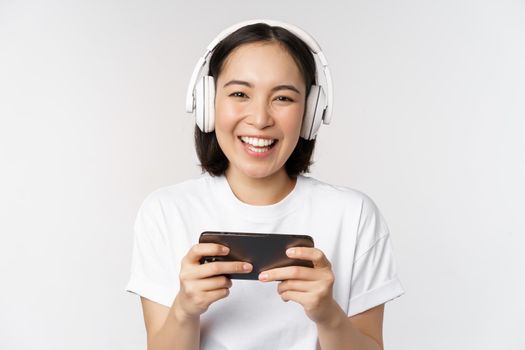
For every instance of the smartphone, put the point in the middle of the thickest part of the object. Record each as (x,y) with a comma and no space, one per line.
(263,250)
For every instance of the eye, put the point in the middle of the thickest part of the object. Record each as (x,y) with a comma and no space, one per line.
(238,94)
(284,99)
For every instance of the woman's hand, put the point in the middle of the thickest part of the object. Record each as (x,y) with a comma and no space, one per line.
(203,284)
(310,287)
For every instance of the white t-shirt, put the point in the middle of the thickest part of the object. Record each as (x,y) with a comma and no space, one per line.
(344,223)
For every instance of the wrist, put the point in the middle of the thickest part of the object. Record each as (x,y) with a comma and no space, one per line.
(335,318)
(182,317)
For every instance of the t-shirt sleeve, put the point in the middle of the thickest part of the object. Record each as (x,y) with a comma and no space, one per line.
(374,274)
(152,268)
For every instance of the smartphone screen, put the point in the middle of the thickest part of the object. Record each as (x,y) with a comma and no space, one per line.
(263,250)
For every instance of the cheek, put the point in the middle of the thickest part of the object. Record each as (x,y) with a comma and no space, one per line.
(291,120)
(226,120)
(226,115)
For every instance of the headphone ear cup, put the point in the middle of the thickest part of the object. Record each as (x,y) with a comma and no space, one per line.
(205,104)
(315,105)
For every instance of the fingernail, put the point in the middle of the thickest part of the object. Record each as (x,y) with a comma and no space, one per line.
(263,276)
(246,267)
(291,251)
(225,249)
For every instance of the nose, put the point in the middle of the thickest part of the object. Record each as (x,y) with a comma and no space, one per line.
(260,115)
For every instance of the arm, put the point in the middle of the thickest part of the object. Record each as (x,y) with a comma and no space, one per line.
(360,332)
(178,327)
(312,288)
(167,330)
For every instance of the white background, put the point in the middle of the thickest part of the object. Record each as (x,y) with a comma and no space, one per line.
(429,120)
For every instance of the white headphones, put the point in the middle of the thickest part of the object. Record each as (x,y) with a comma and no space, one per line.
(200,97)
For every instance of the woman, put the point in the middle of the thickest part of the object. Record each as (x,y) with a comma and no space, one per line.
(257,113)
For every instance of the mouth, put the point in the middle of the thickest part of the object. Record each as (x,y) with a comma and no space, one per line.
(258,145)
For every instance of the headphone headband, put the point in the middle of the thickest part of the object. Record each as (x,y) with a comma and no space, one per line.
(201,68)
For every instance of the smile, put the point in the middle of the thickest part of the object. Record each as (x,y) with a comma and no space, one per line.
(258,145)
(257,142)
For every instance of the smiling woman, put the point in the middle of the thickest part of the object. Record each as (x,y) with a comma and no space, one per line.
(258,112)
(264,113)
(210,154)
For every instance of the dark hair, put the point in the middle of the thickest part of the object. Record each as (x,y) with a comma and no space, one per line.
(212,158)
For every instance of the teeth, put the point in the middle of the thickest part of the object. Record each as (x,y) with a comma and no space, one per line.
(259,150)
(257,142)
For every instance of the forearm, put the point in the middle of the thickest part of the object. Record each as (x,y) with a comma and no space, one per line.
(177,333)
(341,334)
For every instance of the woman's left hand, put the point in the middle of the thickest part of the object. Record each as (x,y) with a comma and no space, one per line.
(310,287)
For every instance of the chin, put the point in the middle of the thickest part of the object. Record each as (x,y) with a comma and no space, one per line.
(256,172)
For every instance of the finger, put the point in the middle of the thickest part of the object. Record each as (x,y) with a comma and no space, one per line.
(295,285)
(316,256)
(289,273)
(220,268)
(299,297)
(199,250)
(208,284)
(214,295)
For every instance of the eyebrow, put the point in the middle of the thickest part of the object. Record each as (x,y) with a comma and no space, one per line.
(275,88)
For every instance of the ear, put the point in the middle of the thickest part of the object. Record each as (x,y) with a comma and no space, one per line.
(205,104)
(315,105)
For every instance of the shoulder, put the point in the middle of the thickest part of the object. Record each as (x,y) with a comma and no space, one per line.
(180,193)
(347,202)
(338,193)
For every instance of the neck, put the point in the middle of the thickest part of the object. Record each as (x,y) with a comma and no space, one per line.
(260,191)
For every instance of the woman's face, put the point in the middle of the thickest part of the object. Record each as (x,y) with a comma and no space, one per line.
(259,106)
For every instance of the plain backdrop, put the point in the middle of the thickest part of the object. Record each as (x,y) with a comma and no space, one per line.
(429,120)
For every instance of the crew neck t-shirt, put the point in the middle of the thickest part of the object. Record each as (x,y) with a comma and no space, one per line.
(344,223)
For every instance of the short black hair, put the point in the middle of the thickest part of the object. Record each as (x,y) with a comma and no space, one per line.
(212,158)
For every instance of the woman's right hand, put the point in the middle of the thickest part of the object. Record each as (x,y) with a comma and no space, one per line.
(203,284)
